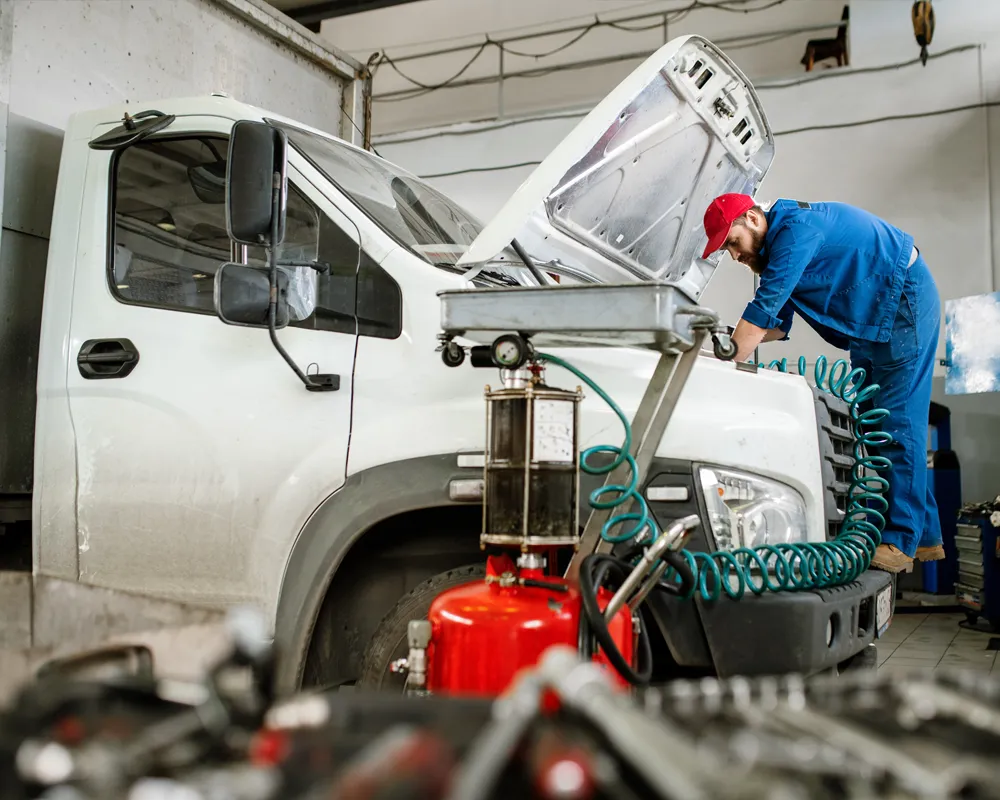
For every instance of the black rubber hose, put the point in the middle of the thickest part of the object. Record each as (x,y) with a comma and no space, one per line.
(528,262)
(680,565)
(585,636)
(590,580)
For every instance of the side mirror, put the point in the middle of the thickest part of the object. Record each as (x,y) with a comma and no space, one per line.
(256,184)
(242,296)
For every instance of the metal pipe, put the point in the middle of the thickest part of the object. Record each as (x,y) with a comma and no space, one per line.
(648,563)
(983,98)
(650,421)
(756,286)
(512,715)
(650,583)
(660,753)
(643,417)
(500,83)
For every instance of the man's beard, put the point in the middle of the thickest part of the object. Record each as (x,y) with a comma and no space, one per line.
(756,262)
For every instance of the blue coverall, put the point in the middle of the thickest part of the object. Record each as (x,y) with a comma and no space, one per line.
(862,286)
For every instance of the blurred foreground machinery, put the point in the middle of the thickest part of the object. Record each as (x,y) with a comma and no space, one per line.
(563,730)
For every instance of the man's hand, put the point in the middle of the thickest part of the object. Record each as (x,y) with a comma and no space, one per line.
(748,337)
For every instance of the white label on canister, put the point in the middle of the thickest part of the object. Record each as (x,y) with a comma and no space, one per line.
(552,438)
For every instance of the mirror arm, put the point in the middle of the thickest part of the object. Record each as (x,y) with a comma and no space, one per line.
(319,266)
(272,313)
(322,383)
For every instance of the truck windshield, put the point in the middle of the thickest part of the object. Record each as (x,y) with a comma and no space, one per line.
(419,217)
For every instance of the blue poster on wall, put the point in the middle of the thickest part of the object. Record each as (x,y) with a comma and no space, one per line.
(972,331)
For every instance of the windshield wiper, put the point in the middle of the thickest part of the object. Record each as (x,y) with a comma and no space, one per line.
(488,275)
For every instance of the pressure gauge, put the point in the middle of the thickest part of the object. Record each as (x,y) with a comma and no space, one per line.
(509,351)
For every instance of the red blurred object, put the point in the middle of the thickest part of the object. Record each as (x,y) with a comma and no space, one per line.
(560,769)
(268,748)
(414,764)
(484,633)
(69,731)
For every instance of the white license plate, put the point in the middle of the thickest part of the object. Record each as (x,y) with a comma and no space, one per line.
(883,610)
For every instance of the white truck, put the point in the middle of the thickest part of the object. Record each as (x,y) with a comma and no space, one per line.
(179,458)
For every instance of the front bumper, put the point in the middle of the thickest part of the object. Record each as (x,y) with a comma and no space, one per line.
(774,633)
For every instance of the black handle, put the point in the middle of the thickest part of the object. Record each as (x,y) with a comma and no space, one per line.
(107,358)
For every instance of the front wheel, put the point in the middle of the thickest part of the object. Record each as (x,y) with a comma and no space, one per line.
(389,640)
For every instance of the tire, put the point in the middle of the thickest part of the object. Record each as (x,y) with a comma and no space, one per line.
(389,640)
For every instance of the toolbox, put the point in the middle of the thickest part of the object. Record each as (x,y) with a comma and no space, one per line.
(977,589)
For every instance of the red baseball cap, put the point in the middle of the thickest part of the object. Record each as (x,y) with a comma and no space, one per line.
(719,218)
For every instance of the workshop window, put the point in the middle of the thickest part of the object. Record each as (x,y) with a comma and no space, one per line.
(170,238)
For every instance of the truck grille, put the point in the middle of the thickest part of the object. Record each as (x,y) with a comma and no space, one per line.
(836,446)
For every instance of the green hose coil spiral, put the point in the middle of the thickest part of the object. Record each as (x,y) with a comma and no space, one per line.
(767,568)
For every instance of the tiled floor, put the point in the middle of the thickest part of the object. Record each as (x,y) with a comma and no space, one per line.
(933,641)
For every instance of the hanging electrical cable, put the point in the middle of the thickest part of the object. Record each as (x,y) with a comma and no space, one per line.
(424,88)
(578,34)
(565,46)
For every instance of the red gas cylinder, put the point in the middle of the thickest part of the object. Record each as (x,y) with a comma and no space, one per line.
(484,633)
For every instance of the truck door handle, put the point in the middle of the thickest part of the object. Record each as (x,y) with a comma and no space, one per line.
(107,358)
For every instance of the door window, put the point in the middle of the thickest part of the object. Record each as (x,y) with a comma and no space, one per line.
(169,238)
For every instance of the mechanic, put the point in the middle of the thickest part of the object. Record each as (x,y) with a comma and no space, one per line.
(864,287)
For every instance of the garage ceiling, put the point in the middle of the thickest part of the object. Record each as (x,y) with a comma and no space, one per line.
(312,12)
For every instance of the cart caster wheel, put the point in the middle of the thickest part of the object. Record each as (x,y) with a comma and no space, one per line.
(452,355)
(723,351)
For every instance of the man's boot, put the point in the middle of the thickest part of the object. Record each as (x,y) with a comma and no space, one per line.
(890,558)
(934,553)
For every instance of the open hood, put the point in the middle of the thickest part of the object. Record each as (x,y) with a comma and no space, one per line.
(623,196)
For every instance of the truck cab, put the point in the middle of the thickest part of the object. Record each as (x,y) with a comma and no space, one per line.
(179,457)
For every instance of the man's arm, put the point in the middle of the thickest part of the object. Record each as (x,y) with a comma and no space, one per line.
(748,336)
(768,317)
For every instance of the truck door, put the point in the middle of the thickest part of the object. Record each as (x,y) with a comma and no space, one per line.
(199,454)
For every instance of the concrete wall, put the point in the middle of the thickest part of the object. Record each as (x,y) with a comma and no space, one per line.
(928,168)
(70,55)
(877,38)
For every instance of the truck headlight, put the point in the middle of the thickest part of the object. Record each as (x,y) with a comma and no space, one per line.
(746,510)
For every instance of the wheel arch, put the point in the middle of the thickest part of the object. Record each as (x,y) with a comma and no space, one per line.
(367,519)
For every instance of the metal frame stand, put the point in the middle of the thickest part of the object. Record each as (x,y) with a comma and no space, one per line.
(648,426)
(658,316)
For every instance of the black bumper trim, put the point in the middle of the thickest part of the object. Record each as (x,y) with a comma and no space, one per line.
(774,633)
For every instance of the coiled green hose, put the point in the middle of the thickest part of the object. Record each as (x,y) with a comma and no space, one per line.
(767,568)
